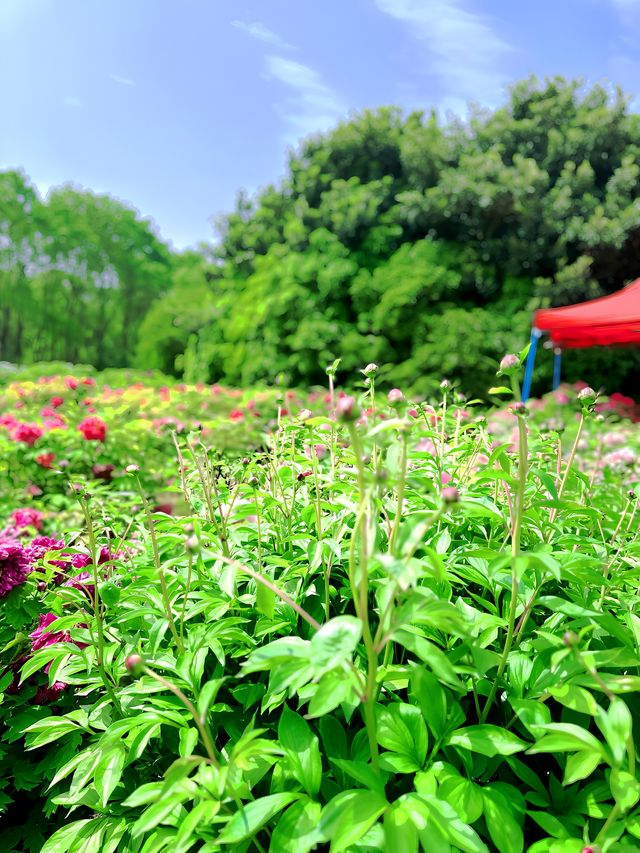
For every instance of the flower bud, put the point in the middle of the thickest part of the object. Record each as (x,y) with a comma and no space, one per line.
(253,482)
(395,396)
(591,848)
(587,396)
(570,638)
(518,408)
(132,662)
(509,364)
(346,408)
(370,368)
(445,385)
(450,495)
(132,469)
(304,415)
(191,544)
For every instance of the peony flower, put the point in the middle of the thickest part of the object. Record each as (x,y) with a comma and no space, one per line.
(26,433)
(27,517)
(236,414)
(93,429)
(46,460)
(42,637)
(103,471)
(56,402)
(15,565)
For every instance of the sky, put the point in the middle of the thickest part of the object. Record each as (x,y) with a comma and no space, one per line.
(175,105)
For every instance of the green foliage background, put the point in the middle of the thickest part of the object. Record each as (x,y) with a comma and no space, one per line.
(393,238)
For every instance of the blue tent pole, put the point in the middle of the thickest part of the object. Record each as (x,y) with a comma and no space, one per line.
(531,360)
(557,362)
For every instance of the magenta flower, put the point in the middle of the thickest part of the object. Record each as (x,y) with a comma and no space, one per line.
(15,565)
(43,637)
(27,517)
(93,429)
(26,433)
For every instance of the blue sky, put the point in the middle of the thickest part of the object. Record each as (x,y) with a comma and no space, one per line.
(173,105)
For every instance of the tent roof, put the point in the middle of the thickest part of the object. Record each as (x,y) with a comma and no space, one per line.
(608,321)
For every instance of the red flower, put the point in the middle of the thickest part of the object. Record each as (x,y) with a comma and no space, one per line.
(56,402)
(88,381)
(45,460)
(26,433)
(71,383)
(93,429)
(236,414)
(103,472)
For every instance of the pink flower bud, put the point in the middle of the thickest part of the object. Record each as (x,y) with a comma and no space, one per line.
(509,363)
(395,396)
(346,408)
(450,495)
(133,662)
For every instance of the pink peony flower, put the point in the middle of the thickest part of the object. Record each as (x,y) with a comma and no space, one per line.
(236,414)
(27,517)
(93,429)
(26,433)
(71,383)
(56,402)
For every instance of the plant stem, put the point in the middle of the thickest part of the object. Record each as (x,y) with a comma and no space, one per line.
(203,729)
(400,490)
(523,464)
(572,456)
(97,605)
(161,575)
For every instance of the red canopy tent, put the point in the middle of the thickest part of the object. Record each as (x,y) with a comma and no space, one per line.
(609,321)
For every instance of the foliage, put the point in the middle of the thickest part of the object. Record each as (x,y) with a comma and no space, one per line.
(392,237)
(389,626)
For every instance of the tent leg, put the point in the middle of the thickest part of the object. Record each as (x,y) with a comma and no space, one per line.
(557,363)
(531,360)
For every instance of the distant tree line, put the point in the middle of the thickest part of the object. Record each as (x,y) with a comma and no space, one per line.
(393,238)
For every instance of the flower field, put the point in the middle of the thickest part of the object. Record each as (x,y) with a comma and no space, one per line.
(294,621)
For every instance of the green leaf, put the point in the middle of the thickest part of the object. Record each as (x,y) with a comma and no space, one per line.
(576,698)
(564,737)
(581,765)
(361,772)
(335,642)
(62,840)
(400,831)
(487,740)
(465,794)
(616,725)
(333,689)
(625,789)
(295,735)
(253,816)
(431,698)
(265,600)
(347,817)
(549,823)
(504,829)
(446,820)
(109,771)
(401,729)
(158,812)
(297,829)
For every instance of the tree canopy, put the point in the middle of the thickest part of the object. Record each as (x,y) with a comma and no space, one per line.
(393,238)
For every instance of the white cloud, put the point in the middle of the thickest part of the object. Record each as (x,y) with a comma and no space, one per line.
(464,51)
(259,31)
(313,106)
(123,81)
